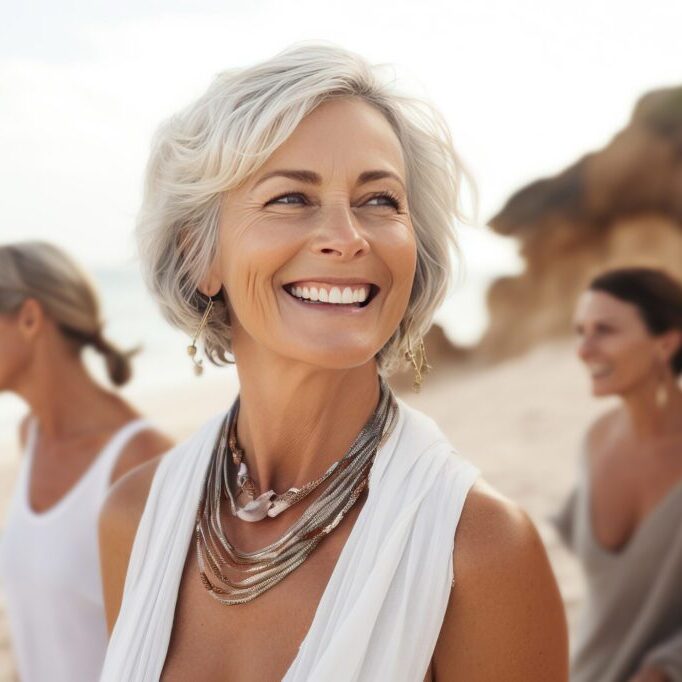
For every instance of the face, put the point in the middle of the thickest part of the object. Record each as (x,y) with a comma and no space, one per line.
(614,343)
(16,333)
(317,251)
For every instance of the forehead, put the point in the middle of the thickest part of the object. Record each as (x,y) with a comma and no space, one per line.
(599,304)
(344,133)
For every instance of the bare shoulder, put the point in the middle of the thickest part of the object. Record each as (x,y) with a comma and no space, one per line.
(505,618)
(601,429)
(143,447)
(118,521)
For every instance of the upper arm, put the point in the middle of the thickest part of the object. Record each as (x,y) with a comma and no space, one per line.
(144,446)
(505,618)
(118,521)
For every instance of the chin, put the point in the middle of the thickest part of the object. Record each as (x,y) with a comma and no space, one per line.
(335,358)
(604,391)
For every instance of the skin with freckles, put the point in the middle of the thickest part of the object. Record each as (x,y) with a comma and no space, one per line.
(329,209)
(634,449)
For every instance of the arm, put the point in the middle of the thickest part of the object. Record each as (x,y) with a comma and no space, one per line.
(505,619)
(118,521)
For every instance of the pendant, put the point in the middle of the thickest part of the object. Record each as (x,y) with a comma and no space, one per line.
(257,509)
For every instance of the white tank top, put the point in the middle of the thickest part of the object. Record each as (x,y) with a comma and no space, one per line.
(382,610)
(49,565)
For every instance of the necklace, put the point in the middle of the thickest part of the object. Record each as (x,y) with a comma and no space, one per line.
(269,503)
(260,570)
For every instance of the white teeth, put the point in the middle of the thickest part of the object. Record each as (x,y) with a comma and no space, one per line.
(598,371)
(345,296)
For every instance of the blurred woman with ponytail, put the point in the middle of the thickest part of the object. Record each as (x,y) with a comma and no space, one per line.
(77,440)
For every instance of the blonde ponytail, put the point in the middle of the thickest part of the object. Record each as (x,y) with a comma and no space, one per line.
(45,273)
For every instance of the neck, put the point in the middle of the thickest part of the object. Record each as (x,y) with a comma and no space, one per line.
(60,392)
(647,418)
(295,420)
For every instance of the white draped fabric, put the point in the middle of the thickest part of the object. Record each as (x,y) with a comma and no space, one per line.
(381,612)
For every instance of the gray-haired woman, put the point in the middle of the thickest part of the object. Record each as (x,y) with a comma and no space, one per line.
(298,217)
(78,438)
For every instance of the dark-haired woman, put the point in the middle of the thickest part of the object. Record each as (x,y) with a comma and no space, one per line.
(623,519)
(77,439)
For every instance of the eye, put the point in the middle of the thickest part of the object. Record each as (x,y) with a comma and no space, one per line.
(290,199)
(384,199)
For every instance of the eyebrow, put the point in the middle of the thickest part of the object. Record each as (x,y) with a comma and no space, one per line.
(312,178)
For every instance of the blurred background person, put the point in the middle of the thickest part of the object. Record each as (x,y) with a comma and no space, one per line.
(623,517)
(77,439)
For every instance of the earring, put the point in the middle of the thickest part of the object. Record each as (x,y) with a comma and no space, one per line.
(192,349)
(418,361)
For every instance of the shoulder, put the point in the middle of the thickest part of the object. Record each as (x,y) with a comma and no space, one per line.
(143,447)
(118,521)
(505,618)
(601,429)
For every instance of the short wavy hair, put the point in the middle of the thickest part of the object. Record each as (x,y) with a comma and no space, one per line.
(215,144)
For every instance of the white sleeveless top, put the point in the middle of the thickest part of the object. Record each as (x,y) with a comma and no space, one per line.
(49,565)
(382,610)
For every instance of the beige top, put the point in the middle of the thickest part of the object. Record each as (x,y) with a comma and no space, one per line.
(633,611)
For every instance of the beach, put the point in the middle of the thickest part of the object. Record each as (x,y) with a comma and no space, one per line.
(520,422)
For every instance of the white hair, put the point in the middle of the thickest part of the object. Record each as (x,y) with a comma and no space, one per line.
(221,139)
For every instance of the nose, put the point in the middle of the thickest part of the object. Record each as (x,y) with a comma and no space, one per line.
(339,235)
(585,347)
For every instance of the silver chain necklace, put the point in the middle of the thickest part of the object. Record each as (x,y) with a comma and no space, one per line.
(260,570)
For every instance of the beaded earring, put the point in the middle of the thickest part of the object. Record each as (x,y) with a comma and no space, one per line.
(192,348)
(419,362)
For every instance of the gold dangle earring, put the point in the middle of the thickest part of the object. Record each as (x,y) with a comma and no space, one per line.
(192,349)
(419,362)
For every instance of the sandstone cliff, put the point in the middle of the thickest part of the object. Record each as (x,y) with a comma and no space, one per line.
(619,206)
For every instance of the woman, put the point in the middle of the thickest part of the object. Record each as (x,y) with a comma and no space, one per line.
(623,518)
(77,439)
(298,218)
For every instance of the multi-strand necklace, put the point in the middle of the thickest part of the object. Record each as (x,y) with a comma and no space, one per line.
(228,479)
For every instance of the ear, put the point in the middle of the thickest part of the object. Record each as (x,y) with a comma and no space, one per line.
(211,283)
(669,343)
(31,318)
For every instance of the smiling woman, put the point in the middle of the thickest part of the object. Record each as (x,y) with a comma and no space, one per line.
(311,525)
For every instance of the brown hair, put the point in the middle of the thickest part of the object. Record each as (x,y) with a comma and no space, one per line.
(41,271)
(656,294)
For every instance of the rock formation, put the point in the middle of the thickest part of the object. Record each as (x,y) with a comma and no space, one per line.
(619,206)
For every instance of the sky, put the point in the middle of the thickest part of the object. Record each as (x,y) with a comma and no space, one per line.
(526,86)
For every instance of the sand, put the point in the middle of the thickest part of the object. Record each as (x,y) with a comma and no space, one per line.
(520,422)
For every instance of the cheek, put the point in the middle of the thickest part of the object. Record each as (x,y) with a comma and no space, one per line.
(13,357)
(400,255)
(250,260)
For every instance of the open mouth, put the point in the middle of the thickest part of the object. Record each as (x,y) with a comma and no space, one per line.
(343,295)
